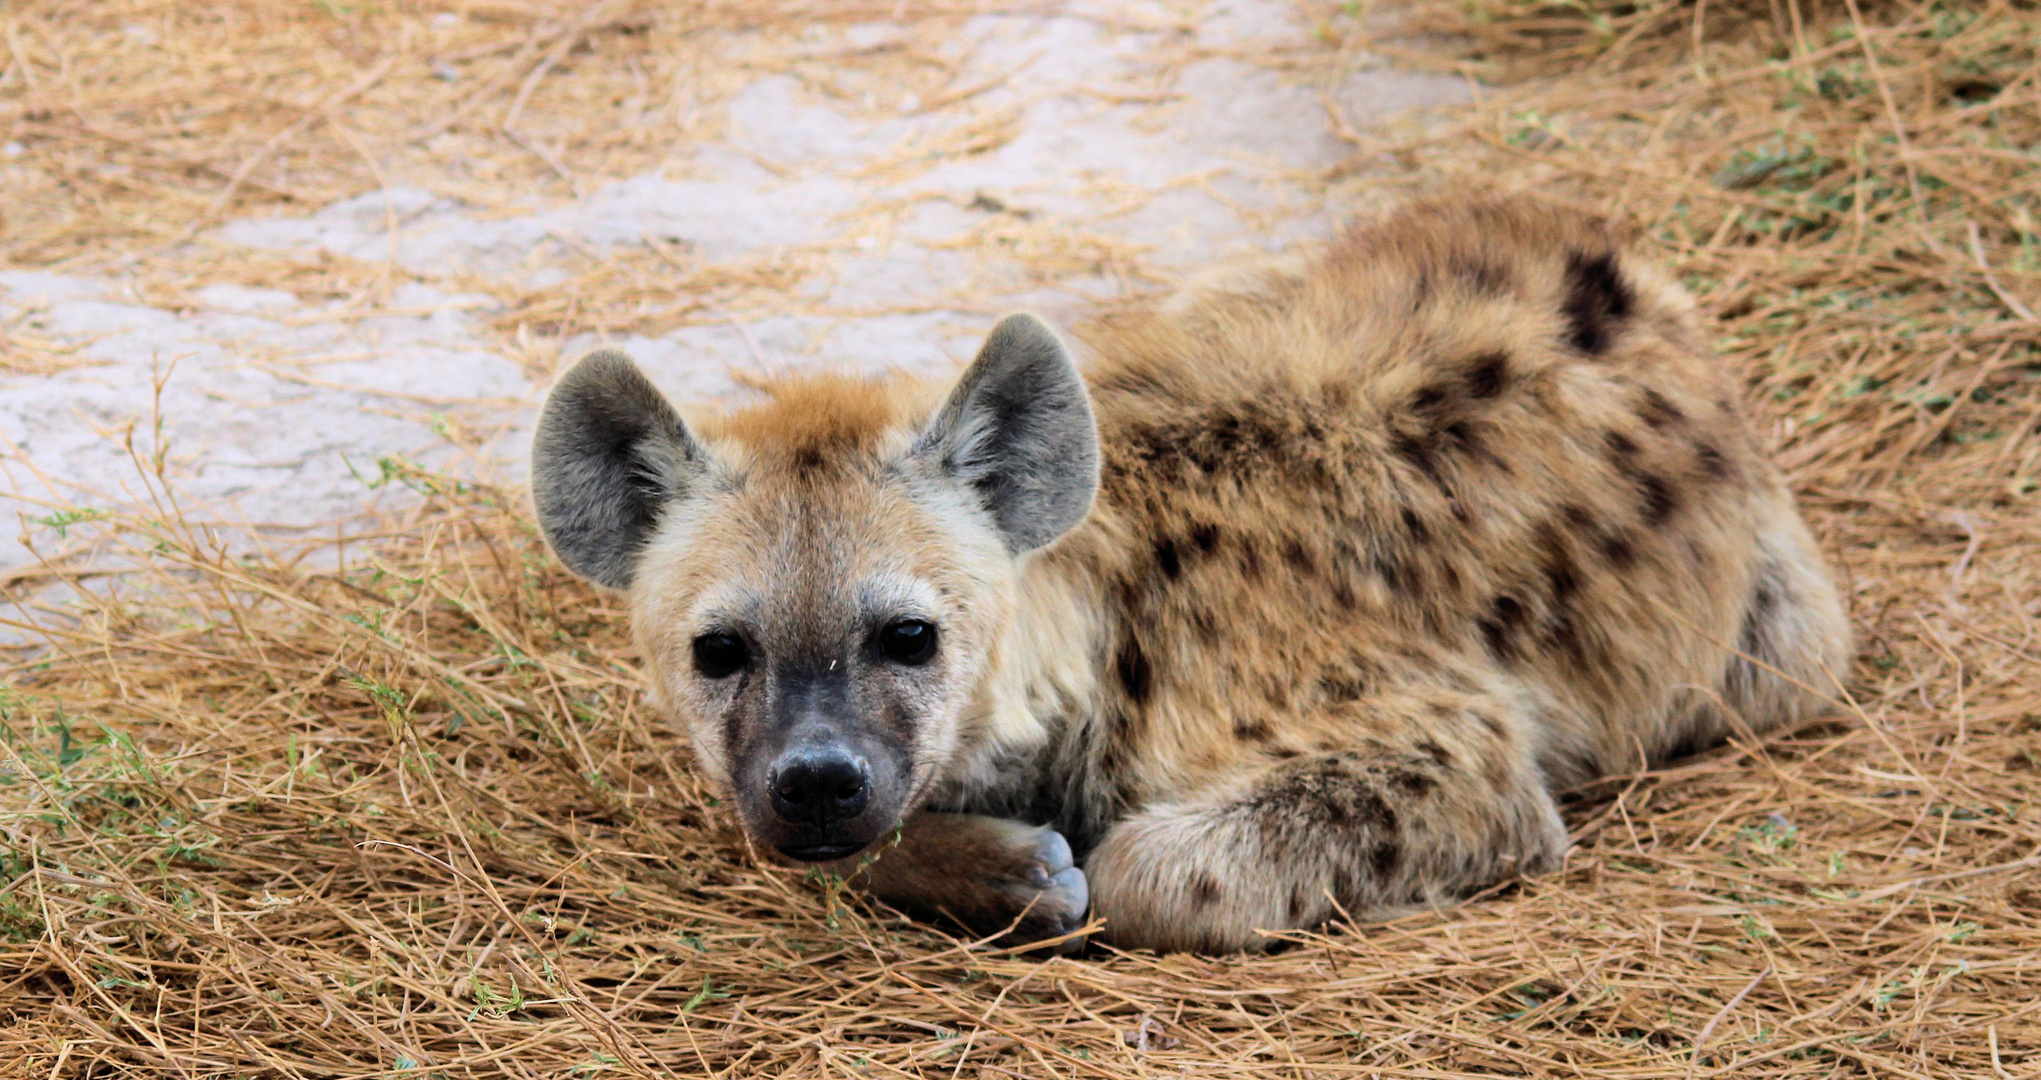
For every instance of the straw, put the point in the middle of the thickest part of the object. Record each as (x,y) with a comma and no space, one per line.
(411,817)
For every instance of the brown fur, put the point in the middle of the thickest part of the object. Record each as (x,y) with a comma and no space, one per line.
(1388,545)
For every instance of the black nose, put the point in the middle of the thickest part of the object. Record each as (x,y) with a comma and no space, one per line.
(819,787)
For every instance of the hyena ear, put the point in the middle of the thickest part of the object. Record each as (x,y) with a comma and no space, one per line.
(1017,429)
(608,454)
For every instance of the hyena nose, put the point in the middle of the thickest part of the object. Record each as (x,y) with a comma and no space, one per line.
(820,786)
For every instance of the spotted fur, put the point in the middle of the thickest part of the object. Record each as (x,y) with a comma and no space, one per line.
(1388,544)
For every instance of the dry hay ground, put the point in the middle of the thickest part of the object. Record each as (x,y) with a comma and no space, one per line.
(411,818)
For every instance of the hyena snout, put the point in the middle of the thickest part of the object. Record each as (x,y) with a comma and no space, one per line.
(817,788)
(826,794)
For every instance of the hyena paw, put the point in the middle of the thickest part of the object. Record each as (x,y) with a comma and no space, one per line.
(993,876)
(1050,896)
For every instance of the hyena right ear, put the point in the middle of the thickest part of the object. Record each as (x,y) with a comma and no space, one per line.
(608,454)
(1018,431)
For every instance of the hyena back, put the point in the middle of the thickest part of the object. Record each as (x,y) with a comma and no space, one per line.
(1302,597)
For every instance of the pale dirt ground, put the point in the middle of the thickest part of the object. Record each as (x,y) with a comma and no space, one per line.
(275,411)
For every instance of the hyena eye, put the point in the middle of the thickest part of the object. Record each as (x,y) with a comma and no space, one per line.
(720,655)
(909,641)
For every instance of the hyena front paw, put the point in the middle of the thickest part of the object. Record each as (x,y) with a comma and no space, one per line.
(1049,896)
(995,876)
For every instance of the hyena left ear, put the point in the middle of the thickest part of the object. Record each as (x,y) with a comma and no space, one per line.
(610,452)
(1017,430)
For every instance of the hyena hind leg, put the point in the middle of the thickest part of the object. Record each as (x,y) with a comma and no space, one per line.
(1385,829)
(1795,638)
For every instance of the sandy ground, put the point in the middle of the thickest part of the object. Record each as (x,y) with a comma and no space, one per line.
(275,412)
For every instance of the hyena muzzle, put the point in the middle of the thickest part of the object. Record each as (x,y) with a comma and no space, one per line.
(1302,596)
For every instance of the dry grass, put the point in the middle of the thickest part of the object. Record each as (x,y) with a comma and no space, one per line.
(134,127)
(411,817)
(137,123)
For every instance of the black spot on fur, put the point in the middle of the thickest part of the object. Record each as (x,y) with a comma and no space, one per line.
(1135,674)
(1428,399)
(1659,498)
(1343,595)
(1299,557)
(1415,526)
(1204,891)
(1205,537)
(1467,438)
(1597,301)
(1499,627)
(1252,729)
(1620,549)
(1411,783)
(1419,453)
(1657,412)
(1166,559)
(1487,373)
(1712,462)
(1462,435)
(1296,906)
(1493,635)
(1385,857)
(808,459)
(1390,570)
(1562,577)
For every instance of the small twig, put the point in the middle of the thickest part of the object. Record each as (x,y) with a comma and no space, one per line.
(547,156)
(1694,1060)
(1962,564)
(2011,302)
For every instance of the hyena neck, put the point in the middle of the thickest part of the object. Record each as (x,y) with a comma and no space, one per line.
(1033,705)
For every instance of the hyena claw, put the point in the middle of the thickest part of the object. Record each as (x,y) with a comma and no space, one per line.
(1054,896)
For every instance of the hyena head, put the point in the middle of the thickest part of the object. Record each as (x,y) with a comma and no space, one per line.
(819,583)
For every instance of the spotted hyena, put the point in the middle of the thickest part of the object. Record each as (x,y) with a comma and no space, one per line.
(1301,595)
